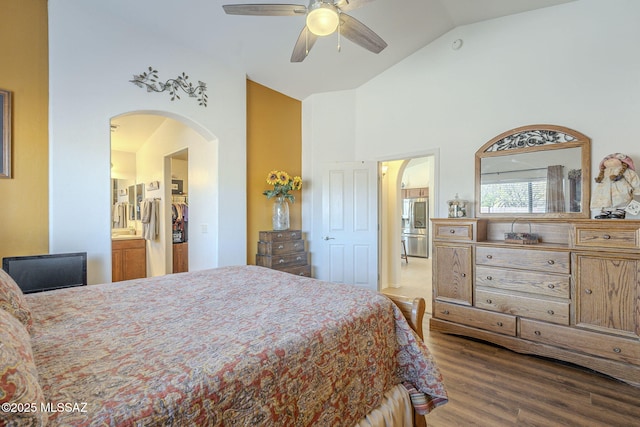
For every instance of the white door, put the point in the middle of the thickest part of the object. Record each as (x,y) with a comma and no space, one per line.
(350,223)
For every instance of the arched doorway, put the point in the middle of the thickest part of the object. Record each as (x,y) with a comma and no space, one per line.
(401,179)
(146,146)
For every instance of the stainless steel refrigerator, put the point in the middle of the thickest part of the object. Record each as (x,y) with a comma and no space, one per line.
(415,226)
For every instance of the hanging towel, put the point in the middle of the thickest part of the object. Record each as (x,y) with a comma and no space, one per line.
(150,222)
(120,215)
(116,215)
(145,215)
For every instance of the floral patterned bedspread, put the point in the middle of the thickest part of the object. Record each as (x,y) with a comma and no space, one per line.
(233,346)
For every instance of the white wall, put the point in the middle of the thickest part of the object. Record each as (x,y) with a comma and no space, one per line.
(92,59)
(571,65)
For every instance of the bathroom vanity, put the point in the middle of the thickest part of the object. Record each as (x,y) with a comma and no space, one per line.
(128,258)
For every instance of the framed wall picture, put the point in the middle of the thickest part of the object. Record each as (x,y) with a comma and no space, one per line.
(5,134)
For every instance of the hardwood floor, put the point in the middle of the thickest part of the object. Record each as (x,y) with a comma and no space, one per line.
(492,386)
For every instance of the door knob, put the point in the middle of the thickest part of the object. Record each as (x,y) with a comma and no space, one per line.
(328,238)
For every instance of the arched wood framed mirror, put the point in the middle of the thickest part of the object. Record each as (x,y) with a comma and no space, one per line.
(534,171)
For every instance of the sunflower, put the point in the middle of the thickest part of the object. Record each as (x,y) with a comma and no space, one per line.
(273,178)
(297,183)
(283,178)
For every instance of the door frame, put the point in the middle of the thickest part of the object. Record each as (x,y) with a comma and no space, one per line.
(389,241)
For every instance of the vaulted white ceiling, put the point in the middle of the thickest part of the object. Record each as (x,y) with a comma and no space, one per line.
(262,45)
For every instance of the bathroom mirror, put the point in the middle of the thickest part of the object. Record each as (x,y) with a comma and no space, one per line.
(136,195)
(126,197)
(534,171)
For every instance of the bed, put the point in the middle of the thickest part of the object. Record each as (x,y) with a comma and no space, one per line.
(232,346)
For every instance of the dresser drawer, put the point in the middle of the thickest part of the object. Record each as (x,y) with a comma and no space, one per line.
(526,259)
(128,244)
(494,322)
(280,236)
(298,270)
(610,235)
(453,231)
(553,285)
(519,305)
(280,248)
(597,344)
(279,262)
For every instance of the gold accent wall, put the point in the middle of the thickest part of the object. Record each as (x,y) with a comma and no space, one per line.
(24,69)
(274,141)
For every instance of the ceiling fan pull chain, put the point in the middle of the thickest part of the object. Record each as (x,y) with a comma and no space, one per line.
(339,32)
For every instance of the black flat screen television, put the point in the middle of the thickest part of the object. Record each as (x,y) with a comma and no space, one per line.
(36,273)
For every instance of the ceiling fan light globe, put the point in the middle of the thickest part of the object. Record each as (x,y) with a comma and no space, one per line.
(323,19)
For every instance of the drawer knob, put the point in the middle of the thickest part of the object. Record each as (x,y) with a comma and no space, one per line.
(281,261)
(279,234)
(551,286)
(538,333)
(551,312)
(489,278)
(588,291)
(606,237)
(300,274)
(551,262)
(296,245)
(499,324)
(281,247)
(452,231)
(489,301)
(489,256)
(298,258)
(464,274)
(617,350)
(445,312)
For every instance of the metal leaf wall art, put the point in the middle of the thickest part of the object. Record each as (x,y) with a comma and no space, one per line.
(149,79)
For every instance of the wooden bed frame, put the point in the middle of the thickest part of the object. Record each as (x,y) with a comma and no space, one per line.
(413,310)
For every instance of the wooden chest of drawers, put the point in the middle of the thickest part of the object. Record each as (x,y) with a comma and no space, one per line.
(284,251)
(574,296)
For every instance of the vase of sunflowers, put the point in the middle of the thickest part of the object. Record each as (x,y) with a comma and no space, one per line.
(283,184)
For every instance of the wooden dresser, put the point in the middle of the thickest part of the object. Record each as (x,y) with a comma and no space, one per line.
(575,296)
(284,251)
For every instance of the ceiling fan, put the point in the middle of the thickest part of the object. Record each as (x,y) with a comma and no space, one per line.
(322,18)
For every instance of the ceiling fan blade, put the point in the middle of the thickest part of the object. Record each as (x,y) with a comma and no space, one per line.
(303,46)
(265,9)
(360,34)
(347,5)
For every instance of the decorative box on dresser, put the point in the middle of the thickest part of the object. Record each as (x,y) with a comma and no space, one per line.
(574,296)
(284,251)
